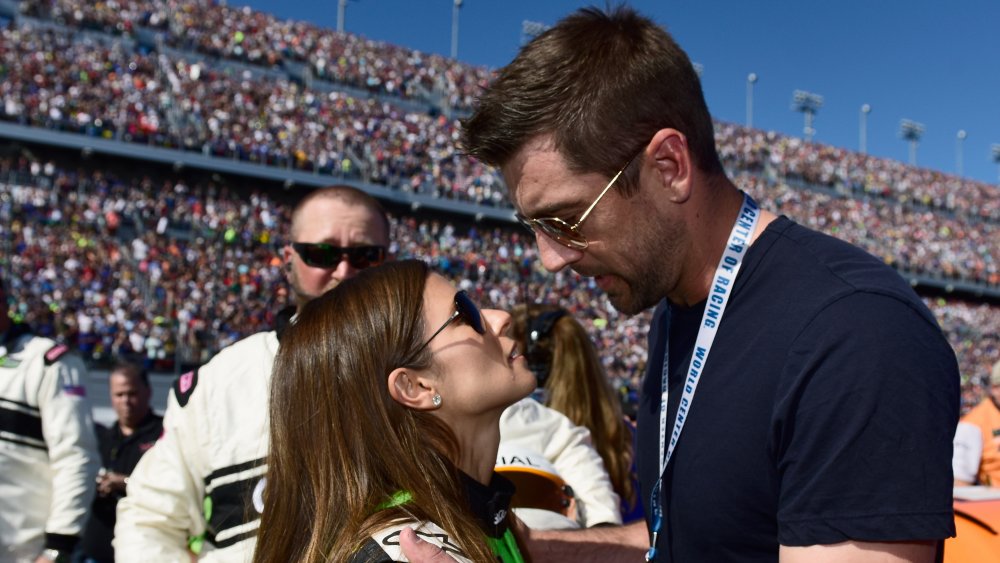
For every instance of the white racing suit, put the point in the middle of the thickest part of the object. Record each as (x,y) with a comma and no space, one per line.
(211,460)
(48,450)
(533,426)
(191,491)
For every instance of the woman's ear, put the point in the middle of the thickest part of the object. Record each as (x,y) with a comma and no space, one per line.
(409,389)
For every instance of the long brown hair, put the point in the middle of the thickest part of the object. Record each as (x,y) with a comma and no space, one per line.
(340,445)
(578,387)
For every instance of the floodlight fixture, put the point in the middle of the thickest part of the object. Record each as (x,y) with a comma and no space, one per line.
(911,131)
(751,80)
(807,104)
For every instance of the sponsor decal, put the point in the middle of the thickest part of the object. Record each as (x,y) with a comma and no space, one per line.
(258,495)
(499,516)
(75,390)
(184,387)
(55,353)
(440,539)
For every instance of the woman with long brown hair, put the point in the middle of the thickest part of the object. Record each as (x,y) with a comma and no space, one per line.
(568,370)
(385,407)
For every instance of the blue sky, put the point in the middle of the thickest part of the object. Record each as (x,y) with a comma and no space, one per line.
(934,62)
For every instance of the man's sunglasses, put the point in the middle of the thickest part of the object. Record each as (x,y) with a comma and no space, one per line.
(561,231)
(467,310)
(322,255)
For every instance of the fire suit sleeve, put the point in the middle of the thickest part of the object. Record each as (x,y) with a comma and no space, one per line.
(162,506)
(72,448)
(569,448)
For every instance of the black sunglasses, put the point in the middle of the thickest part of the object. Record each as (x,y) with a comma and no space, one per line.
(322,255)
(467,310)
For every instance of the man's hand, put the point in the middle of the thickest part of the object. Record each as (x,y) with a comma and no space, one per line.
(419,551)
(111,483)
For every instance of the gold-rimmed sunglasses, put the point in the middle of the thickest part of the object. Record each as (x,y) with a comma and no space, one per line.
(561,231)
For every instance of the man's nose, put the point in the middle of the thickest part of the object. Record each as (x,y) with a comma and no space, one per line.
(555,256)
(344,270)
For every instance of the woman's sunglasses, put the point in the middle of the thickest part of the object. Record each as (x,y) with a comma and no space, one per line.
(467,310)
(322,255)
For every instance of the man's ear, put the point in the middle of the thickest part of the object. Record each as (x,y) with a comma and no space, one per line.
(409,389)
(286,257)
(671,159)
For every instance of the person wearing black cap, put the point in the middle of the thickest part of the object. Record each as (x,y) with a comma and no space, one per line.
(48,451)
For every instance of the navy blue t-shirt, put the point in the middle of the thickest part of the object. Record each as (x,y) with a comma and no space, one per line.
(825,411)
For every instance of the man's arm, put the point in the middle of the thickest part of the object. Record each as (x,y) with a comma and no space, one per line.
(162,507)
(606,544)
(861,552)
(570,450)
(72,448)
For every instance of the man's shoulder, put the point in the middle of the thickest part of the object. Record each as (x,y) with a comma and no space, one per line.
(819,269)
(240,364)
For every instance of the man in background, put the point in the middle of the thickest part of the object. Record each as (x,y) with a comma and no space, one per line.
(121,447)
(48,452)
(981,427)
(188,497)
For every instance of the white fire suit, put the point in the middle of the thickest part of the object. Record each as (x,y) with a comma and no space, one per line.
(533,426)
(191,490)
(211,459)
(48,450)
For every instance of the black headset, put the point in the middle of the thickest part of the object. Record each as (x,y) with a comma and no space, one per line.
(539,329)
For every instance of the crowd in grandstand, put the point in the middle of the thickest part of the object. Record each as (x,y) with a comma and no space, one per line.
(165,267)
(171,267)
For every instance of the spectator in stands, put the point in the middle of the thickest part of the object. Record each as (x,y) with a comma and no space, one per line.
(985,418)
(827,374)
(407,379)
(571,380)
(48,452)
(190,493)
(133,433)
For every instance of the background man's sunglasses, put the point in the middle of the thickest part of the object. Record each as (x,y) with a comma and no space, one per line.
(321,255)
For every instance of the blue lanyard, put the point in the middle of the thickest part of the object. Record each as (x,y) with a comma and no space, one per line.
(715,306)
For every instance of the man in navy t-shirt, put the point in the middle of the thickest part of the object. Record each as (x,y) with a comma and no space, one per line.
(809,398)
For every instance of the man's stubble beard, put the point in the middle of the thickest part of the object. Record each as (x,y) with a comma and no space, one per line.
(654,256)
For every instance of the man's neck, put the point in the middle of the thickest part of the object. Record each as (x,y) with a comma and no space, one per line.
(128,430)
(719,210)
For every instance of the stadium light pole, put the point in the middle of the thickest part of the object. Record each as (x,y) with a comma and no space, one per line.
(751,80)
(995,149)
(911,131)
(863,128)
(341,10)
(808,104)
(457,5)
(959,140)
